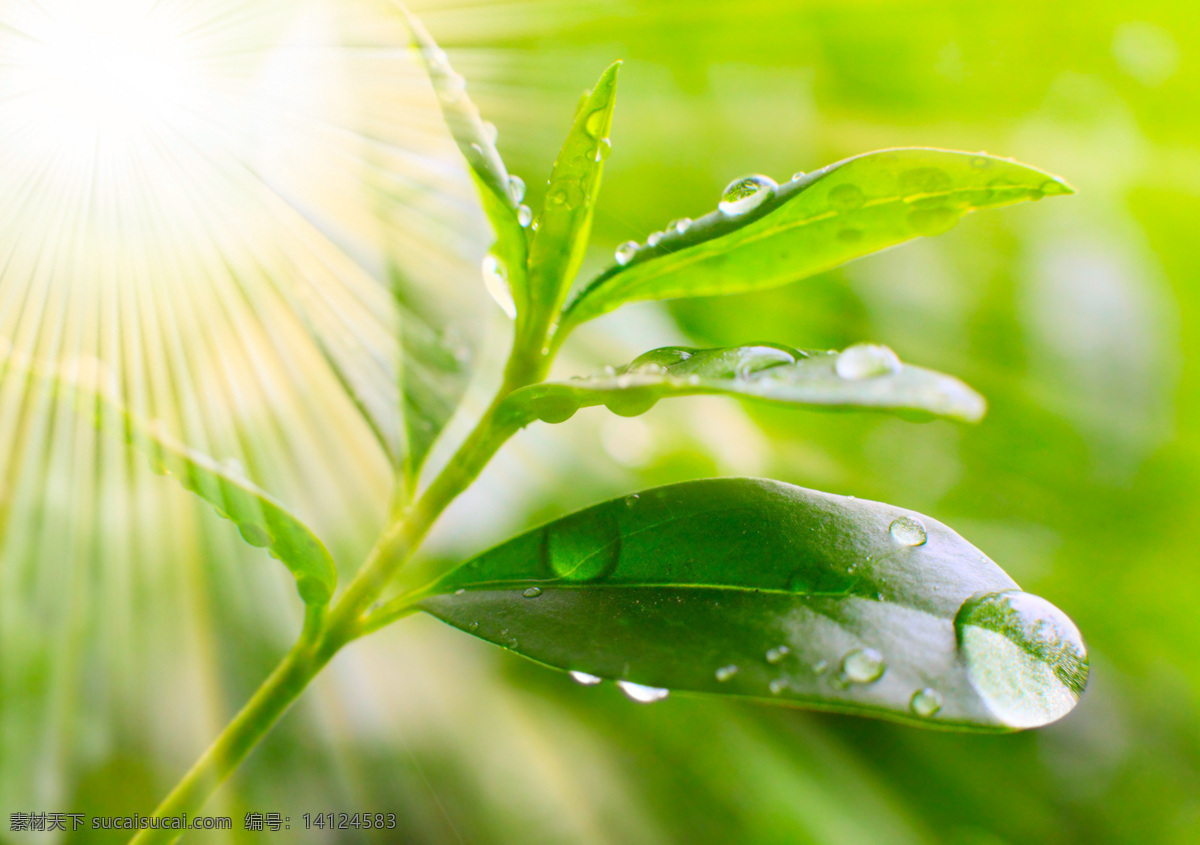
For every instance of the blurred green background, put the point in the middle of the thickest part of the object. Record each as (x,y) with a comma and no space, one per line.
(1076,317)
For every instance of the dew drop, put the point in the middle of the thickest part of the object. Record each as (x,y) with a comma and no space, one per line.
(532,592)
(981,162)
(777,686)
(1024,656)
(626,251)
(862,666)
(866,360)
(473,626)
(554,408)
(798,175)
(495,279)
(908,531)
(666,357)
(451,87)
(746,194)
(654,239)
(460,591)
(582,547)
(584,678)
(642,694)
(437,58)
(775,655)
(846,197)
(594,124)
(726,672)
(602,151)
(232,466)
(524,215)
(254,535)
(933,221)
(490,132)
(681,225)
(926,702)
(631,403)
(516,188)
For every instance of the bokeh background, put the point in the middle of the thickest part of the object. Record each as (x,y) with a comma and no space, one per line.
(133,623)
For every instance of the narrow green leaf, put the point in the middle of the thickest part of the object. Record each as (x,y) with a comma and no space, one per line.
(864,376)
(500,193)
(813,223)
(759,589)
(566,220)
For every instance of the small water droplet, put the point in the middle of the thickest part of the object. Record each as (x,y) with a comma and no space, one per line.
(594,124)
(584,678)
(777,686)
(866,360)
(516,187)
(654,239)
(726,672)
(798,175)
(472,626)
(532,592)
(495,279)
(1024,656)
(908,531)
(846,197)
(981,162)
(926,702)
(746,194)
(642,694)
(490,132)
(631,501)
(602,151)
(436,57)
(681,225)
(862,666)
(775,655)
(451,87)
(524,215)
(460,591)
(626,251)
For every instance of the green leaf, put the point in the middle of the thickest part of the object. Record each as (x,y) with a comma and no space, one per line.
(566,220)
(814,223)
(864,376)
(500,194)
(763,590)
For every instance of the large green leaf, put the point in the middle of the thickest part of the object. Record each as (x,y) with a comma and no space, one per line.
(566,220)
(500,194)
(759,589)
(863,376)
(813,223)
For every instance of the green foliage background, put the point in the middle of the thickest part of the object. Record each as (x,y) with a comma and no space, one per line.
(1077,318)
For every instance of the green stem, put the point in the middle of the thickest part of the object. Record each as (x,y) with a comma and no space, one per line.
(325,634)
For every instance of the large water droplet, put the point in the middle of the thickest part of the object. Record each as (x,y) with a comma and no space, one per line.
(866,360)
(862,666)
(602,150)
(516,188)
(584,678)
(631,403)
(495,279)
(746,194)
(908,531)
(933,221)
(524,215)
(554,407)
(626,251)
(594,125)
(642,694)
(726,672)
(1024,656)
(532,592)
(583,547)
(925,702)
(776,654)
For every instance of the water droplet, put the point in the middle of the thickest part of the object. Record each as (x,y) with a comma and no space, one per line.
(933,221)
(460,591)
(924,180)
(490,132)
(846,197)
(681,225)
(981,162)
(451,87)
(866,360)
(524,215)
(693,380)
(594,125)
(437,59)
(798,175)
(554,407)
(584,678)
(926,702)
(1052,187)
(473,626)
(626,251)
(232,466)
(746,194)
(642,694)
(516,187)
(1024,656)
(775,655)
(495,279)
(654,239)
(666,357)
(862,666)
(582,547)
(631,501)
(908,531)
(255,535)
(631,403)
(532,592)
(777,686)
(602,151)
(726,672)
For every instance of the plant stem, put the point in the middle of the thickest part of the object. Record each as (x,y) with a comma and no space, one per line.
(325,634)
